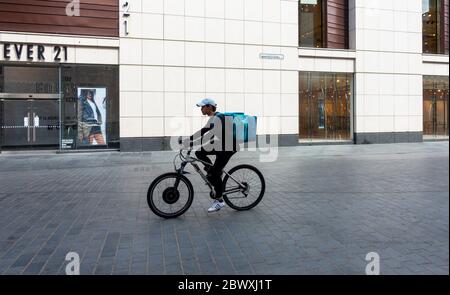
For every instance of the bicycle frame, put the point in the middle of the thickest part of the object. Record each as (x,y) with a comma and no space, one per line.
(188,159)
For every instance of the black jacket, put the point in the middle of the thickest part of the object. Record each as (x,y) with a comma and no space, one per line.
(88,112)
(217,134)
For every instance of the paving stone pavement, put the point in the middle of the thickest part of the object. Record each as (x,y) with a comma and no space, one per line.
(324,209)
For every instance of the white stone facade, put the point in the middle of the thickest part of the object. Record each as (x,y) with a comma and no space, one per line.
(245,55)
(178,51)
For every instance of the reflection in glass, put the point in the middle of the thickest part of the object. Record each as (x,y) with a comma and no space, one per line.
(325,106)
(432,26)
(311,23)
(30,79)
(435,106)
(90,123)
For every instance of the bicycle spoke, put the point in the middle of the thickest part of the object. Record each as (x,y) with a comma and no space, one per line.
(250,178)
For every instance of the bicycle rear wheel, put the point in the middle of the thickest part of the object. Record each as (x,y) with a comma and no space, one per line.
(167,201)
(255,186)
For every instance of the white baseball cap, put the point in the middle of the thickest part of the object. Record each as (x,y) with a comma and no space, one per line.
(207,101)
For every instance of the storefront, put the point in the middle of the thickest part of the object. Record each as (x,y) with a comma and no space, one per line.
(435,107)
(59,75)
(325,103)
(57,106)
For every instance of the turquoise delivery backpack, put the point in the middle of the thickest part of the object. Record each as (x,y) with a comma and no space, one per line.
(244,126)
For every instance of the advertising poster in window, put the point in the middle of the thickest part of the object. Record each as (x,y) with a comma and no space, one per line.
(321,108)
(92,104)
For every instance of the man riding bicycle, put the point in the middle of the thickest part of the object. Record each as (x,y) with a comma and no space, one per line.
(215,139)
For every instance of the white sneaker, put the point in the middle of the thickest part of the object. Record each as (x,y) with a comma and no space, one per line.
(216,206)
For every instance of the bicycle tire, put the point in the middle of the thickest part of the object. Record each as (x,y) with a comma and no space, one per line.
(263,188)
(155,182)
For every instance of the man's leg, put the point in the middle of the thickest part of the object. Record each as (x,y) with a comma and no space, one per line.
(222,159)
(203,155)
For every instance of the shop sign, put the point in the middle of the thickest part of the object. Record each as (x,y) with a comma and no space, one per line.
(33,52)
(271,56)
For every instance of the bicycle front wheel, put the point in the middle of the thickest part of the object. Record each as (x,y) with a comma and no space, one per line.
(254,187)
(168,201)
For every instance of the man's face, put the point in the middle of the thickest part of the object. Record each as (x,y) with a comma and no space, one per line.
(204,110)
(207,110)
(89,95)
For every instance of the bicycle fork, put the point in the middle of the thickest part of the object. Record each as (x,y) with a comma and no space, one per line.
(180,172)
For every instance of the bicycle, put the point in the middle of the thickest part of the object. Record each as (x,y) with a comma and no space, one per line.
(241,192)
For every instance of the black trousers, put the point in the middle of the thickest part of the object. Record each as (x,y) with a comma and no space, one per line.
(221,161)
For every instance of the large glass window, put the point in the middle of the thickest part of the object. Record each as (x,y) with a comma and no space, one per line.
(311,23)
(36,113)
(90,107)
(30,79)
(435,106)
(325,106)
(433,27)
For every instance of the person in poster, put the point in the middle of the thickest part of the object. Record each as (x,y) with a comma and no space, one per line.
(321,108)
(91,113)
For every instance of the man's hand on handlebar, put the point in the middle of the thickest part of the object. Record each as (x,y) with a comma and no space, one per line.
(185,144)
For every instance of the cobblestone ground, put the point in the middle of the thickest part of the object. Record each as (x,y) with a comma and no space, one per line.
(324,209)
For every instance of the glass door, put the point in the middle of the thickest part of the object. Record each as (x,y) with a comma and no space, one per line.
(29,107)
(15,125)
(45,122)
(29,123)
(435,107)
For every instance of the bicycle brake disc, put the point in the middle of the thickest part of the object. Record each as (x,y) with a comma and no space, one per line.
(171,195)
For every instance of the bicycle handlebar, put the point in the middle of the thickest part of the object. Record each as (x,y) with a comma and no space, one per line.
(183,157)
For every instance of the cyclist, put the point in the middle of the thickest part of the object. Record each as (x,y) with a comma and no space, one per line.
(215,139)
